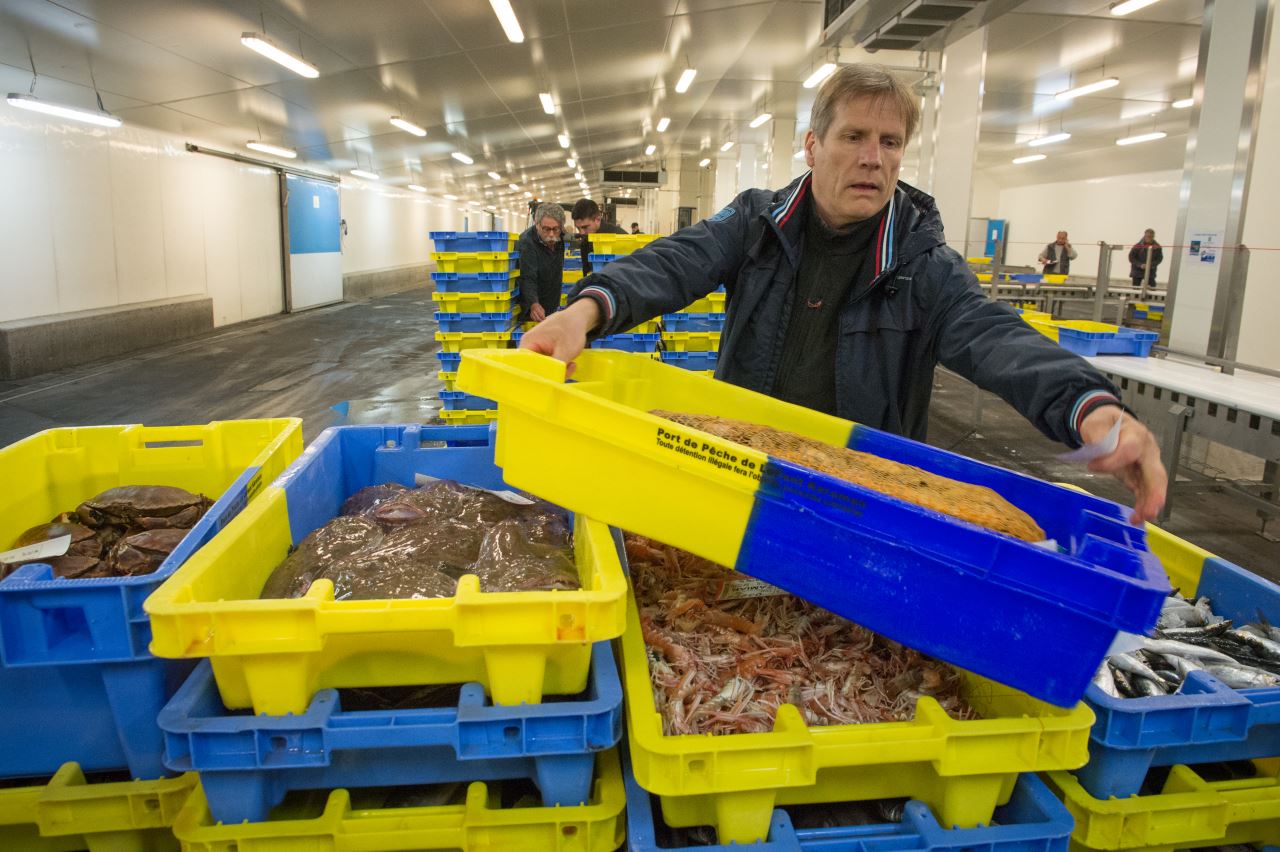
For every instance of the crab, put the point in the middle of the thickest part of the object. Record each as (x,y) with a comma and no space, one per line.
(142,553)
(81,559)
(144,507)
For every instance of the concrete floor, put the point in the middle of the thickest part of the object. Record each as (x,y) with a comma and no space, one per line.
(373,362)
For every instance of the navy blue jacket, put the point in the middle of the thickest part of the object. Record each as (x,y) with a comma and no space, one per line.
(924,307)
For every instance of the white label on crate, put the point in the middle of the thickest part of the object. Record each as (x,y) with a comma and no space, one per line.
(41,550)
(518,499)
(748,587)
(315,201)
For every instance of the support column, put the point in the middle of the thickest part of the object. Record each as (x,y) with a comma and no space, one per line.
(958,118)
(1220,149)
(927,134)
(669,196)
(782,149)
(748,159)
(726,185)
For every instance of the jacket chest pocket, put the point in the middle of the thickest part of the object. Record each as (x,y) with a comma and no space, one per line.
(893,316)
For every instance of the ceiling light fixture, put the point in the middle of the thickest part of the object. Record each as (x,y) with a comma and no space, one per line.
(1142,137)
(417,188)
(102,118)
(462,158)
(507,17)
(268,148)
(1049,140)
(1131,6)
(448,197)
(649,149)
(704,162)
(726,146)
(548,105)
(513,187)
(571,163)
(408,126)
(800,154)
(564,140)
(259,43)
(1080,91)
(1030,158)
(495,175)
(361,173)
(824,71)
(686,80)
(760,119)
(1183,104)
(528,195)
(663,124)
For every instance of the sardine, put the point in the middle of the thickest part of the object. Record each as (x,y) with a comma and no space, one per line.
(1123,684)
(1243,677)
(1148,687)
(1182,665)
(1206,612)
(1203,631)
(1254,637)
(1131,664)
(1188,650)
(1104,680)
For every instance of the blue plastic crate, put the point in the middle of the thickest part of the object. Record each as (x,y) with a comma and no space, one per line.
(1205,722)
(468,436)
(599,260)
(469,241)
(475,282)
(634,342)
(693,322)
(449,361)
(1125,341)
(248,763)
(574,262)
(476,322)
(691,360)
(1027,277)
(1032,821)
(462,401)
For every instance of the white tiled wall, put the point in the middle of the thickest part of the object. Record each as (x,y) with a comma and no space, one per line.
(388,226)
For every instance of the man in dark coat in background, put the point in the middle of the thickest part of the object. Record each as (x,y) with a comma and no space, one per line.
(588,219)
(1144,257)
(541,250)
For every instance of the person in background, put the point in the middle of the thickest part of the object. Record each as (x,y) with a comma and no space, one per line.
(1057,256)
(588,219)
(1144,257)
(541,250)
(843,296)
(635,227)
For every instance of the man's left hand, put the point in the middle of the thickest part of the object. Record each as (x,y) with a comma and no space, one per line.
(1135,460)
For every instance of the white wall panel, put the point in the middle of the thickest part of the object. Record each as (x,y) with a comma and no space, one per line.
(258,240)
(79,180)
(182,180)
(389,226)
(29,282)
(137,215)
(222,267)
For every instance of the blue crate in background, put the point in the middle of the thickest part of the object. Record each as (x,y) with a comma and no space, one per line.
(462,401)
(1033,821)
(469,241)
(1206,722)
(691,360)
(693,322)
(1124,341)
(476,322)
(248,763)
(599,260)
(475,282)
(449,361)
(1026,277)
(634,342)
(574,262)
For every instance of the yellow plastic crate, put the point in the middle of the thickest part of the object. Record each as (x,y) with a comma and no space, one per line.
(450,380)
(476,261)
(1182,560)
(472,303)
(620,243)
(1046,327)
(478,825)
(1037,316)
(272,655)
(978,261)
(571,276)
(962,770)
(691,341)
(1188,813)
(464,417)
(460,341)
(712,303)
(646,327)
(68,813)
(1053,279)
(983,276)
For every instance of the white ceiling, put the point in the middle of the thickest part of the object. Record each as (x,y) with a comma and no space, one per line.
(178,65)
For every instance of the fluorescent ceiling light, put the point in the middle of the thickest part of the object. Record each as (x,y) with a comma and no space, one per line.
(1131,6)
(824,71)
(726,146)
(686,80)
(1049,140)
(507,17)
(760,119)
(571,163)
(267,148)
(417,188)
(1089,89)
(1183,104)
(800,154)
(528,195)
(564,140)
(462,158)
(261,44)
(649,149)
(663,124)
(363,174)
(408,126)
(548,105)
(90,116)
(1142,137)
(1030,158)
(495,175)
(578,175)
(513,187)
(704,162)
(449,197)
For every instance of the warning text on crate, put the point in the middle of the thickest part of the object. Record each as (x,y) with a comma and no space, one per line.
(705,451)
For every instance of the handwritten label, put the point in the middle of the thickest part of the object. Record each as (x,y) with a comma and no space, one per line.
(748,587)
(716,456)
(40,550)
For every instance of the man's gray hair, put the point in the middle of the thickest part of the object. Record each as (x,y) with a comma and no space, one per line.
(863,80)
(549,210)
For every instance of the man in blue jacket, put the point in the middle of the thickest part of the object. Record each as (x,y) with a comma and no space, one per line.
(843,296)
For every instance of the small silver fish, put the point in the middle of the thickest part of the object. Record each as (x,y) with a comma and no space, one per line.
(1105,681)
(1186,649)
(1131,664)
(1253,636)
(1182,665)
(1151,687)
(1240,676)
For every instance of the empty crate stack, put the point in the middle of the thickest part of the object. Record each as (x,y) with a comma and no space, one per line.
(476,299)
(605,249)
(691,337)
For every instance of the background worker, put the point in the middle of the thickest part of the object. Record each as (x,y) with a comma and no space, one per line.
(588,219)
(1057,256)
(1145,256)
(843,296)
(541,250)
(635,227)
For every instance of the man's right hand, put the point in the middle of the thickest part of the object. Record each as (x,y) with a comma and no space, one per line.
(564,334)
(537,313)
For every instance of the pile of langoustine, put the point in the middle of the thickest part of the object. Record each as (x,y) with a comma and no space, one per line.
(721,664)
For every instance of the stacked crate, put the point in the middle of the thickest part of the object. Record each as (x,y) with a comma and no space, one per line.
(606,248)
(691,337)
(262,720)
(79,688)
(477,304)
